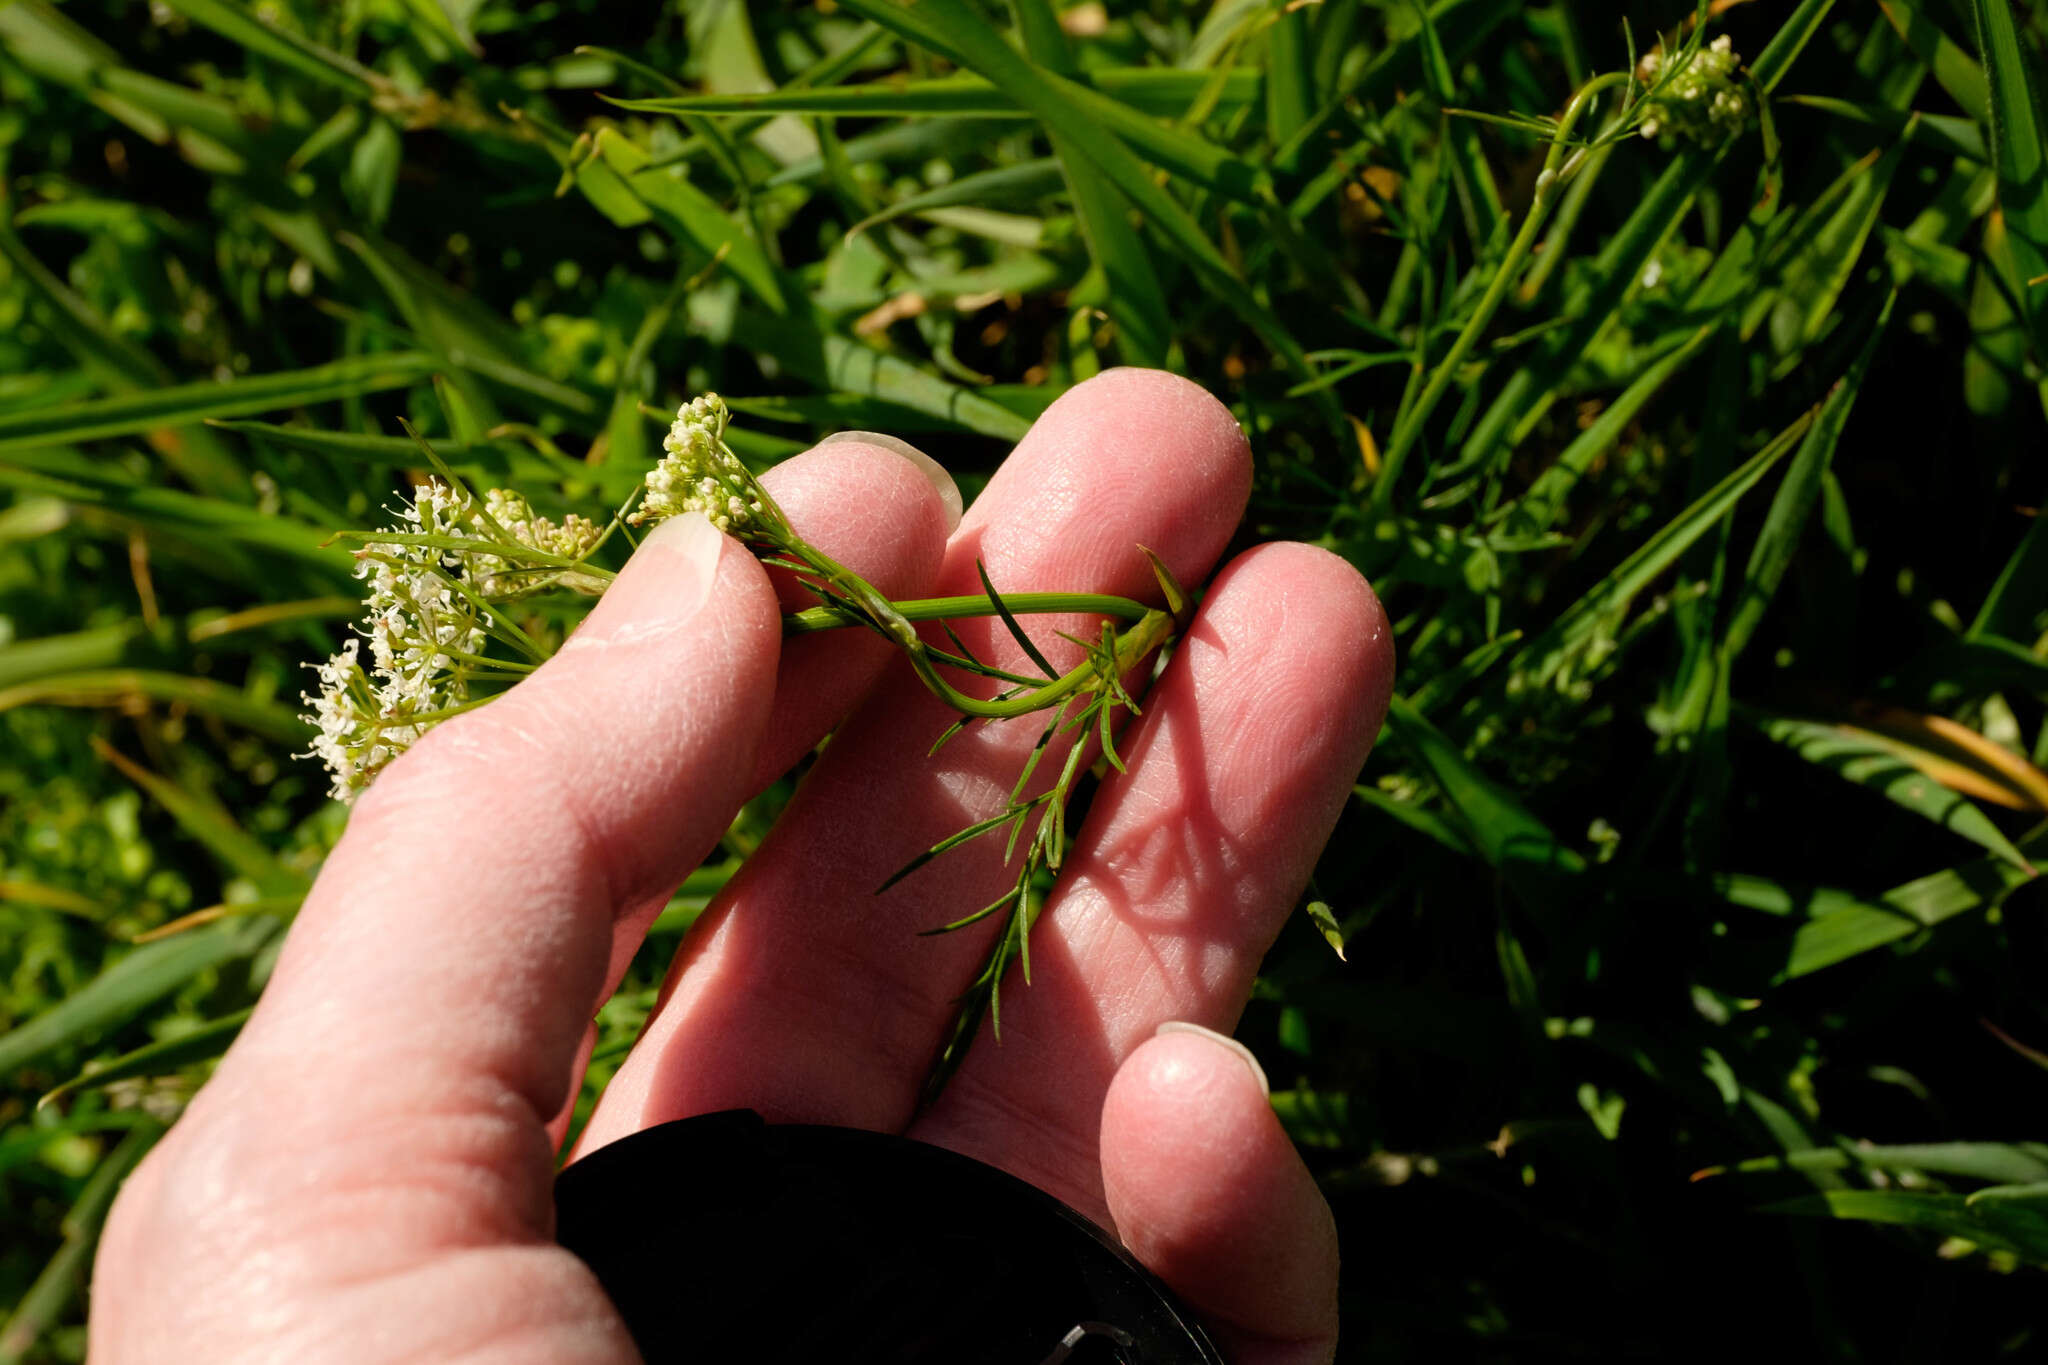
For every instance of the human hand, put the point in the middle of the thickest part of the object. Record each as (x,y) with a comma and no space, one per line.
(368,1175)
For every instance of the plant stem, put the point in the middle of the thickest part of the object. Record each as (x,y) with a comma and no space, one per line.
(1152,629)
(1557,169)
(946,608)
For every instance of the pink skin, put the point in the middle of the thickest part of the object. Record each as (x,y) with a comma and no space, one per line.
(366,1178)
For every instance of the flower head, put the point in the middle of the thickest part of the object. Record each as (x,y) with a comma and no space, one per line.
(424,626)
(1699,97)
(699,473)
(510,519)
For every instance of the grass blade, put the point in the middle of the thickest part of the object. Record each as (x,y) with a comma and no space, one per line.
(1076,113)
(1529,858)
(207,821)
(1894,770)
(1618,588)
(282,46)
(1955,70)
(62,1277)
(202,1044)
(130,986)
(125,686)
(2019,149)
(1987,1223)
(1134,298)
(189,404)
(1796,497)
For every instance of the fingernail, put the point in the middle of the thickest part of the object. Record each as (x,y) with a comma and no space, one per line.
(949,492)
(1243,1053)
(670,574)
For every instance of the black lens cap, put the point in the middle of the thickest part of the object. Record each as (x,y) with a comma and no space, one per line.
(724,1237)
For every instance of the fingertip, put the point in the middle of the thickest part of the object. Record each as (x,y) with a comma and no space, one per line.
(1311,605)
(936,474)
(884,516)
(1163,460)
(1208,1191)
(869,506)
(1162,405)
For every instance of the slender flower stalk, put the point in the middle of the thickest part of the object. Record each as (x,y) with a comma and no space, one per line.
(1697,92)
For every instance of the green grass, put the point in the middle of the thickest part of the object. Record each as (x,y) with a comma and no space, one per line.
(1701,842)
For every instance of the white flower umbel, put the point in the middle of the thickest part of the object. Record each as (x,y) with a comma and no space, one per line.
(699,473)
(425,630)
(1702,98)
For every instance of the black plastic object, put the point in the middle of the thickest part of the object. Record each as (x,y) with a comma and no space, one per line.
(725,1238)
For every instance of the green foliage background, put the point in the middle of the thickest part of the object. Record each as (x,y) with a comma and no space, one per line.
(1698,844)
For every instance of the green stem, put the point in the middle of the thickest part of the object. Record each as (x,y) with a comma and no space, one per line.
(1153,629)
(1134,644)
(1557,169)
(948,608)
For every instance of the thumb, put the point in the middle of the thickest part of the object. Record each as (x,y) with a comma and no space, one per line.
(445,963)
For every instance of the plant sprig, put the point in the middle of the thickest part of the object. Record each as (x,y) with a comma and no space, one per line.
(446,581)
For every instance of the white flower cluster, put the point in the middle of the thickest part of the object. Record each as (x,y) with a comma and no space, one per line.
(417,622)
(699,473)
(501,579)
(1702,99)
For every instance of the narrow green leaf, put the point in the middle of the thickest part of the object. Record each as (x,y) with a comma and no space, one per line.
(1076,113)
(1290,79)
(282,46)
(951,841)
(830,361)
(2015,1228)
(1955,70)
(2007,1163)
(499,461)
(187,515)
(1796,496)
(1021,183)
(1841,925)
(116,686)
(188,404)
(1478,197)
(120,365)
(1031,651)
(1873,761)
(1618,588)
(206,820)
(1325,921)
(131,985)
(1824,251)
(201,1044)
(1419,818)
(1538,508)
(694,217)
(39,1308)
(2019,149)
(1135,300)
(1529,858)
(2018,597)
(1936,132)
(1159,92)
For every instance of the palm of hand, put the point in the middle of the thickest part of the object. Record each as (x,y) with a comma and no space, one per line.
(367,1177)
